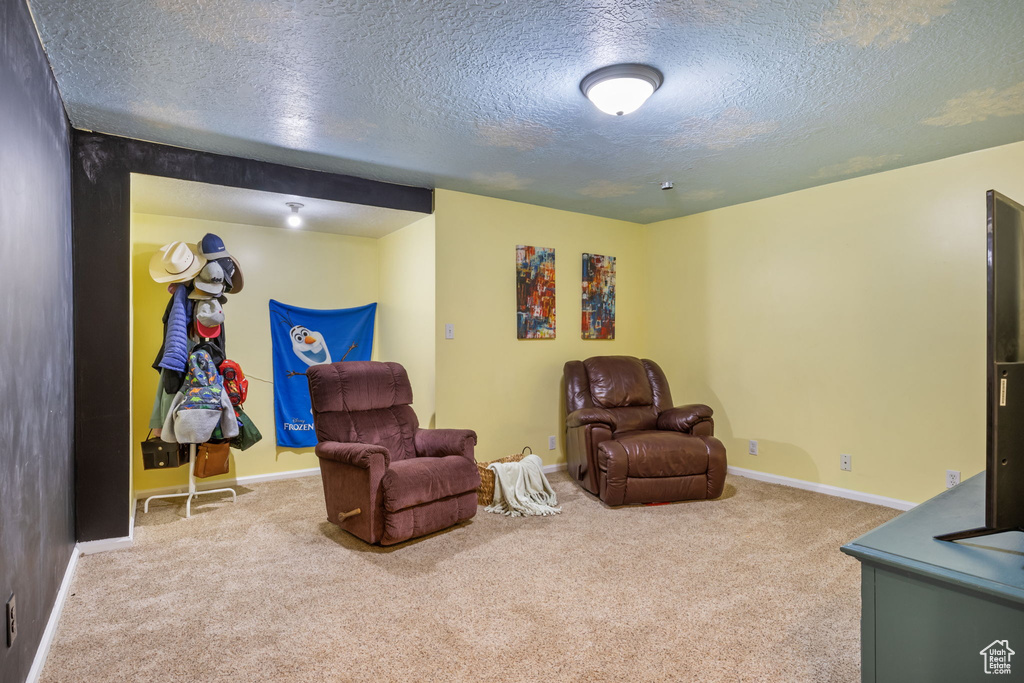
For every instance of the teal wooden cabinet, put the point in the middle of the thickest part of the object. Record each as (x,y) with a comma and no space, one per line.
(935,611)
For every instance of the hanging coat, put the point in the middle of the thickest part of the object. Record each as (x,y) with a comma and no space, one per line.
(173,353)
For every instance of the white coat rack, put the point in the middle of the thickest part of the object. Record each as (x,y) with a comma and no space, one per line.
(192,492)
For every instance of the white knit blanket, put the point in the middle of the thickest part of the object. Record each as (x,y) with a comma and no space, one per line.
(521,489)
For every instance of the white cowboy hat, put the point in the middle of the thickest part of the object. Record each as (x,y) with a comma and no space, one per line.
(176,262)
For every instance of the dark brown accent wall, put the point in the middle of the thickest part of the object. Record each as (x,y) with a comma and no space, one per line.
(36,367)
(102,165)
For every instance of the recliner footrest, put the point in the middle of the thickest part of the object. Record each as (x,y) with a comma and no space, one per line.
(415,481)
(425,519)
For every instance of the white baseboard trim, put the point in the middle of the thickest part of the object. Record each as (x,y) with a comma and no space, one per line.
(237,481)
(557,467)
(822,488)
(51,624)
(107,544)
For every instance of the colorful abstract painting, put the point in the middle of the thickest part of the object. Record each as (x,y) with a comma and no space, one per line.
(598,297)
(535,292)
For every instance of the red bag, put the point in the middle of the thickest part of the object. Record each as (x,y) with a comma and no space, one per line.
(235,382)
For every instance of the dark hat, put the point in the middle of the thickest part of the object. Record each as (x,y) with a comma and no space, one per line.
(212,247)
(227,264)
(237,281)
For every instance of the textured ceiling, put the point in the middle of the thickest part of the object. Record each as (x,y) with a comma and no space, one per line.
(170,197)
(760,97)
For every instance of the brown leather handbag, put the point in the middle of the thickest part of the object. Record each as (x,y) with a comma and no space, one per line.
(211,459)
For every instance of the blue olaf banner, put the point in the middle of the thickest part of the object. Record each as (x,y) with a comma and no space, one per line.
(302,337)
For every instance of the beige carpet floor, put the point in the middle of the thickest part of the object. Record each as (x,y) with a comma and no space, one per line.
(751,587)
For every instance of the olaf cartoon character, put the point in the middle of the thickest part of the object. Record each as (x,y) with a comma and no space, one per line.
(310,347)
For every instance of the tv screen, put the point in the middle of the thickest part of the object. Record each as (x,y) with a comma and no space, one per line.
(1004,498)
(1004,433)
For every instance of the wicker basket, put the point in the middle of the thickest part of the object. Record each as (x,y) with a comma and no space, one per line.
(485,494)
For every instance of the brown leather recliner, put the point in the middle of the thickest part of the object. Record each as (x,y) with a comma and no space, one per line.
(627,444)
(404,481)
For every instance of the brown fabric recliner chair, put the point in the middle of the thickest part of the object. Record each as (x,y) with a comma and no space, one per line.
(627,444)
(405,481)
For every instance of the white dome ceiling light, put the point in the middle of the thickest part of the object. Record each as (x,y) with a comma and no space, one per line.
(620,89)
(294,219)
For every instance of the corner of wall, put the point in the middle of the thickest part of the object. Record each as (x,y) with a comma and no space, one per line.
(507,389)
(847,318)
(407,310)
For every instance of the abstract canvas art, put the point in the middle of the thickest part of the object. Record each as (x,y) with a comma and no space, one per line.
(535,292)
(598,297)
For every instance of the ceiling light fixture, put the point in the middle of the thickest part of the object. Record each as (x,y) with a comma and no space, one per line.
(621,88)
(294,220)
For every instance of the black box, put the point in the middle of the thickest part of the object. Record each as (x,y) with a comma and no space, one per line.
(159,455)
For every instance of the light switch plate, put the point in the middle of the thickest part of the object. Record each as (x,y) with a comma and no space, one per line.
(449,331)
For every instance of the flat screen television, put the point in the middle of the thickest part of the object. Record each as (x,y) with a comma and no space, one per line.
(1004,434)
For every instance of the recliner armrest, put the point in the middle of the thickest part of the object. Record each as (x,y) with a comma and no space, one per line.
(684,418)
(436,443)
(355,454)
(587,416)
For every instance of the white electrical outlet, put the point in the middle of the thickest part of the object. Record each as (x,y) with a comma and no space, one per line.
(844,462)
(752,447)
(552,443)
(952,478)
(449,331)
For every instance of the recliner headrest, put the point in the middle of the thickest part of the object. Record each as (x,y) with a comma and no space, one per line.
(358,385)
(618,381)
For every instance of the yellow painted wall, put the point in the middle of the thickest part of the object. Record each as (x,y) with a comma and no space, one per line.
(308,269)
(847,318)
(405,315)
(510,390)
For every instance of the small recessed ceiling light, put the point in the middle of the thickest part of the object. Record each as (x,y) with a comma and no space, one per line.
(621,88)
(294,220)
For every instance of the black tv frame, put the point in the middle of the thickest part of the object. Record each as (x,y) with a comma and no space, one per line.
(1004,429)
